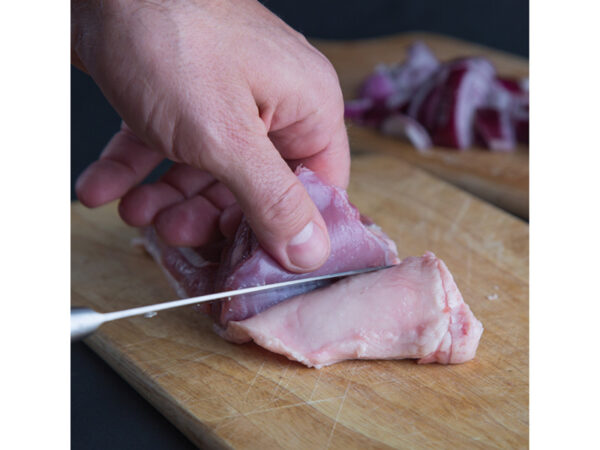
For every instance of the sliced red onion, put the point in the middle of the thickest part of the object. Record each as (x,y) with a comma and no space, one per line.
(356,109)
(378,86)
(510,84)
(522,131)
(420,64)
(446,103)
(499,96)
(377,114)
(365,111)
(517,89)
(398,100)
(424,102)
(428,109)
(520,117)
(495,128)
(420,55)
(512,96)
(388,90)
(402,126)
(442,100)
(455,114)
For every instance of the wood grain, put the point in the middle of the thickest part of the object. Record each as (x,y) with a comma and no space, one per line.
(500,178)
(224,395)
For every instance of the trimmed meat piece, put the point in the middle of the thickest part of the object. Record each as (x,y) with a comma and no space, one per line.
(413,310)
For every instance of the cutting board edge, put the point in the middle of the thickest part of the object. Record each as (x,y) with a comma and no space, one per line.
(508,199)
(418,34)
(196,431)
(432,176)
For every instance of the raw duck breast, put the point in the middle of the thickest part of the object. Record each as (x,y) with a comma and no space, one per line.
(412,310)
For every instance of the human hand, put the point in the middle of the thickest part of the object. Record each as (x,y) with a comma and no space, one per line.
(231,94)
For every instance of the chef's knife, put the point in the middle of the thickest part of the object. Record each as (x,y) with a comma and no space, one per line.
(85,321)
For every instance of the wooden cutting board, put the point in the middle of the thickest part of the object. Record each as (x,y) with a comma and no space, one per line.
(500,178)
(220,394)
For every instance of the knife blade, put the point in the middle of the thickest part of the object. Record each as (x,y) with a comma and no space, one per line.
(85,321)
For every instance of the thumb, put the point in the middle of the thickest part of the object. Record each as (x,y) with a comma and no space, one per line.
(285,220)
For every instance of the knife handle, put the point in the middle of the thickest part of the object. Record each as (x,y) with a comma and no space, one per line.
(84,321)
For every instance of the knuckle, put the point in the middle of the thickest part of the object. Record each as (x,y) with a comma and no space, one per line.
(327,71)
(330,72)
(325,80)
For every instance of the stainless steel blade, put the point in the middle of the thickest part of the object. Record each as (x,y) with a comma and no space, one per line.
(85,321)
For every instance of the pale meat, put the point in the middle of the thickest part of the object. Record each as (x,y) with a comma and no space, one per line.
(413,310)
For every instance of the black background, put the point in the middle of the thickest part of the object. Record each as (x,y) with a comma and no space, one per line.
(105,411)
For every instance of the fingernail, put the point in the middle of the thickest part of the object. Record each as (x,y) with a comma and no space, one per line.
(309,248)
